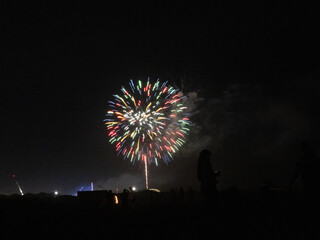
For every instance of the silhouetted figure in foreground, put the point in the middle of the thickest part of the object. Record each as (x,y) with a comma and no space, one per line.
(207,177)
(124,197)
(307,169)
(110,198)
(190,195)
(132,197)
(173,195)
(181,194)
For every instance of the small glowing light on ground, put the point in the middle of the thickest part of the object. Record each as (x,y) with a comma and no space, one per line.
(116,199)
(56,193)
(134,188)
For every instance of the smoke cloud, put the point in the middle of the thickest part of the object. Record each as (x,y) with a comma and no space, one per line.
(253,132)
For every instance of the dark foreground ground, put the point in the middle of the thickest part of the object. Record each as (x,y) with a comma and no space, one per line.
(261,214)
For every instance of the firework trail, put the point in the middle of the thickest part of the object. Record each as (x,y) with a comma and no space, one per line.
(18,185)
(147,122)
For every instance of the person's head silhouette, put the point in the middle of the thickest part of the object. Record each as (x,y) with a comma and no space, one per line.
(205,154)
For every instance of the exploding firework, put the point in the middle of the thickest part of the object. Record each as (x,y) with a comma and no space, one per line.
(148,122)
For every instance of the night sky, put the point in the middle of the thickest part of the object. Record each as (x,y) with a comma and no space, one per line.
(251,74)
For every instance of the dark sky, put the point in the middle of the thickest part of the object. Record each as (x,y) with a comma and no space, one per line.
(251,73)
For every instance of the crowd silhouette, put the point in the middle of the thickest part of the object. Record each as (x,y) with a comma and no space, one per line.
(275,213)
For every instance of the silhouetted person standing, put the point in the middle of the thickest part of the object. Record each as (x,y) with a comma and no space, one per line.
(181,194)
(207,177)
(124,197)
(190,195)
(132,197)
(308,169)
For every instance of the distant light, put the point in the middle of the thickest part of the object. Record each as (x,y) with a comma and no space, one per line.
(116,199)
(134,188)
(56,193)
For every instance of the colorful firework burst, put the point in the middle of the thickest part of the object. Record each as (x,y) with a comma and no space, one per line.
(148,123)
